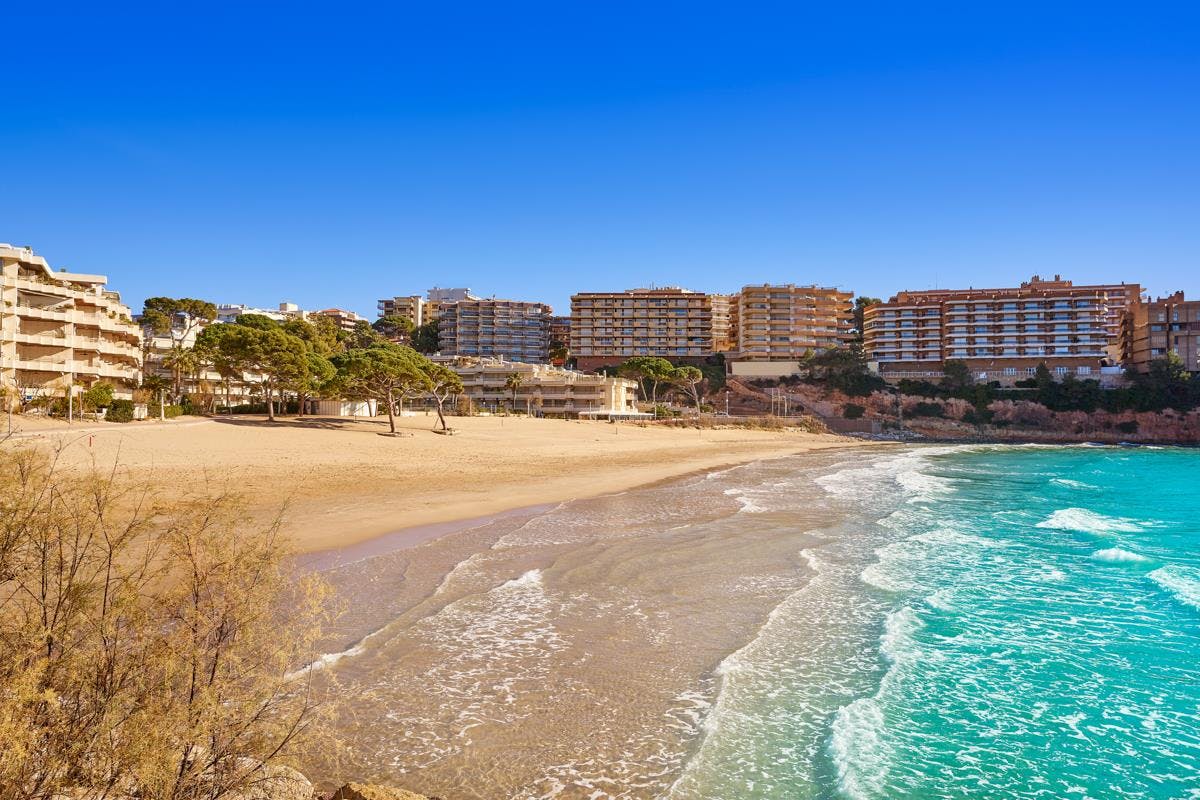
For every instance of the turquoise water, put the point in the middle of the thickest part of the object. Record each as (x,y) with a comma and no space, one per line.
(993,622)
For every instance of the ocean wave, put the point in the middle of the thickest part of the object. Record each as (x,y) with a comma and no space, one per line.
(1073,484)
(1085,521)
(858,745)
(1118,556)
(748,506)
(1183,583)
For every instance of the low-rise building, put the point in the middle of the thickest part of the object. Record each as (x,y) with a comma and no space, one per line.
(62,331)
(608,328)
(229,312)
(778,325)
(543,389)
(1001,334)
(1162,326)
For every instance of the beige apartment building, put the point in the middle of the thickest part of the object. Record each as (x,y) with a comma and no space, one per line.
(608,328)
(514,330)
(1158,327)
(410,307)
(1002,334)
(779,324)
(62,330)
(345,320)
(545,390)
(724,325)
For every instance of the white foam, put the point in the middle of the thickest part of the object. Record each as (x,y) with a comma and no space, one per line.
(1073,484)
(1182,582)
(1085,521)
(858,749)
(1118,556)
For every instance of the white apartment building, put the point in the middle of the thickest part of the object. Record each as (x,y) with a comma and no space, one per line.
(62,331)
(545,390)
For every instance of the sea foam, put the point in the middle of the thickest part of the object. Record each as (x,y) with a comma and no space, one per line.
(1085,521)
(1182,582)
(1118,556)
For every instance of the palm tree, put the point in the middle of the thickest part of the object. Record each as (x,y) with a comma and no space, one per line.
(182,361)
(512,383)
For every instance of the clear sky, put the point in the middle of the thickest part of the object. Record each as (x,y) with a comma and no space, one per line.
(331,154)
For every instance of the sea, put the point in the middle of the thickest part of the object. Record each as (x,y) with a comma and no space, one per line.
(907,621)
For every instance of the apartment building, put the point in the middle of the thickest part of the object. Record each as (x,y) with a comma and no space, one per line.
(62,330)
(779,324)
(724,329)
(1157,327)
(544,390)
(1002,334)
(345,320)
(229,312)
(410,307)
(609,327)
(514,330)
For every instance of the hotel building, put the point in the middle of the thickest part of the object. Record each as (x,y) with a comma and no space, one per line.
(61,330)
(1157,327)
(608,328)
(544,389)
(511,329)
(778,325)
(1002,334)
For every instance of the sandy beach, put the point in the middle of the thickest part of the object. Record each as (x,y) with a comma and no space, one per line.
(338,483)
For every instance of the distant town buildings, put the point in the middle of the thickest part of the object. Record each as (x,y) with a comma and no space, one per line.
(1002,334)
(62,331)
(410,307)
(724,322)
(608,328)
(778,325)
(1158,327)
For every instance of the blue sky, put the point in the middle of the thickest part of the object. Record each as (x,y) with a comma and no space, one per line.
(330,155)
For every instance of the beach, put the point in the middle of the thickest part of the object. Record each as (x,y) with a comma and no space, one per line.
(338,483)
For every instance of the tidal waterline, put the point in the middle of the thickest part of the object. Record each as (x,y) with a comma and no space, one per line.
(902,622)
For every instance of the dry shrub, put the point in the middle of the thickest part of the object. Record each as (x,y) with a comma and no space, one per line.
(141,649)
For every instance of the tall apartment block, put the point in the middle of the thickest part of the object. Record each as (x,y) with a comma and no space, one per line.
(510,329)
(779,325)
(410,307)
(345,320)
(1157,327)
(609,327)
(1002,334)
(62,329)
(420,310)
(724,325)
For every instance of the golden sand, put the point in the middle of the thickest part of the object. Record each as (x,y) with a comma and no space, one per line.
(339,482)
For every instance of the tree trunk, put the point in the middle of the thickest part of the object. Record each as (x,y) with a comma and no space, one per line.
(300,398)
(441,418)
(270,403)
(391,412)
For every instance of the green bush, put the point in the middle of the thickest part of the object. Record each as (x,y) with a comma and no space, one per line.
(1130,426)
(97,397)
(853,411)
(929,410)
(172,411)
(120,411)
